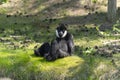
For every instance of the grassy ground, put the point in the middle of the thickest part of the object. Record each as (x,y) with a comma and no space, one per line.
(21,33)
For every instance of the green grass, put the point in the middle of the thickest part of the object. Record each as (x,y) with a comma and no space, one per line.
(21,64)
(18,62)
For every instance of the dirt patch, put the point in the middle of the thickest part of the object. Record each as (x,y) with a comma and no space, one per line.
(111,75)
(110,48)
(105,26)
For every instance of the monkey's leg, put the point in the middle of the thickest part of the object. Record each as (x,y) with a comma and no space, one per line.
(44,49)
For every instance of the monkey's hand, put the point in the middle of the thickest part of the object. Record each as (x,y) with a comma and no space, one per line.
(62,53)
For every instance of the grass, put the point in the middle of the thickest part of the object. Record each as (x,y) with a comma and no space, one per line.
(19,34)
(18,62)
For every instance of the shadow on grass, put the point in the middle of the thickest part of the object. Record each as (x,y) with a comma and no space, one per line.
(17,26)
(24,26)
(69,68)
(60,6)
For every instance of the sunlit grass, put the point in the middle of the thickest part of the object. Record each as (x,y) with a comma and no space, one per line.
(21,64)
(12,60)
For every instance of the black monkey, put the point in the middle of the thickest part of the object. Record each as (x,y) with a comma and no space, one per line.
(61,47)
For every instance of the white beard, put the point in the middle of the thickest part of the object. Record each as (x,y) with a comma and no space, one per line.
(57,34)
(65,33)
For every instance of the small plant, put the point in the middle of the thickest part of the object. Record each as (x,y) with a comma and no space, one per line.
(116,27)
(94,1)
(89,51)
(3,1)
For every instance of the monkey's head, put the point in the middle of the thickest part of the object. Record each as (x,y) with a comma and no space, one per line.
(61,31)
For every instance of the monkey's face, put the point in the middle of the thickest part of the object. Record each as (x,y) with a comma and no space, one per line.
(61,31)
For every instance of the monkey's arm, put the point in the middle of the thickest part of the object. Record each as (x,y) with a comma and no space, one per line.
(53,50)
(70,44)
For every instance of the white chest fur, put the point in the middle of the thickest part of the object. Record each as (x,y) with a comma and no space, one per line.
(64,34)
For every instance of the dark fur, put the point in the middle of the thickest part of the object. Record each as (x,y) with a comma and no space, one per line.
(59,48)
